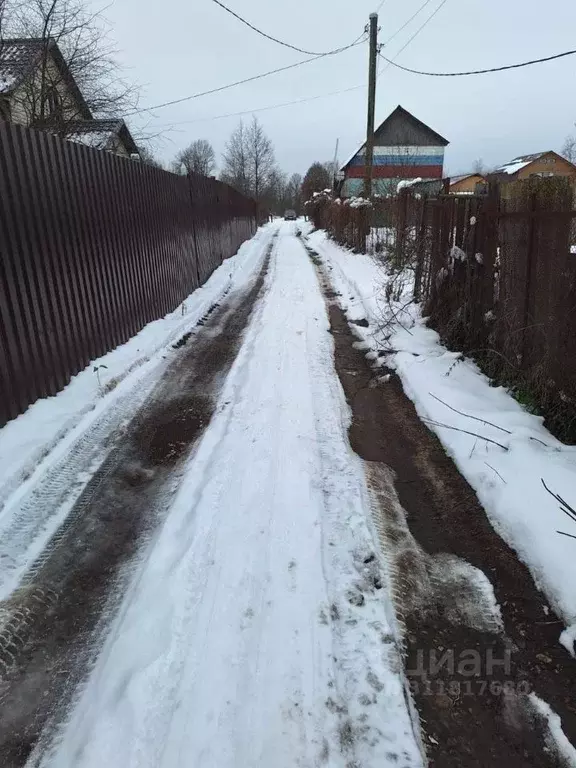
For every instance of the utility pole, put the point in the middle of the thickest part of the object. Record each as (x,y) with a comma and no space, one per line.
(369,158)
(335,166)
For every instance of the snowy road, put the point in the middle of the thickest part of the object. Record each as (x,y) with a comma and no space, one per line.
(256,630)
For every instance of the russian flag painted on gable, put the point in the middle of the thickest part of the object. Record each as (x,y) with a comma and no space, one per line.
(404,148)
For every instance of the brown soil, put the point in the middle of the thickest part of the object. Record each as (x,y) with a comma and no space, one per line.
(60,613)
(466,721)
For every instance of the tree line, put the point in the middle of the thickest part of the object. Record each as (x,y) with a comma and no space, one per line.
(248,162)
(249,165)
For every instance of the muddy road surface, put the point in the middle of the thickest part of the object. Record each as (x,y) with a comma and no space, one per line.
(51,626)
(479,637)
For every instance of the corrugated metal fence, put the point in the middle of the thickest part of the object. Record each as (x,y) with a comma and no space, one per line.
(93,247)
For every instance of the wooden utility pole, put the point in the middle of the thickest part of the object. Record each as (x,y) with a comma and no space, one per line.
(369,159)
(335,166)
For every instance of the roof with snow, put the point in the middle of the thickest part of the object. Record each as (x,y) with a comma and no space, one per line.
(513,167)
(19,58)
(530,158)
(101,134)
(520,162)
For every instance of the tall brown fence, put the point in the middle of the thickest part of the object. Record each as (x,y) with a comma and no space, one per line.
(92,247)
(497,277)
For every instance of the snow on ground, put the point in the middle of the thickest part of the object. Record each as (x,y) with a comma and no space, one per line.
(508,482)
(50,452)
(555,736)
(252,634)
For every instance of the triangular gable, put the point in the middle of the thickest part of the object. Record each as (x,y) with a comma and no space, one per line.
(435,139)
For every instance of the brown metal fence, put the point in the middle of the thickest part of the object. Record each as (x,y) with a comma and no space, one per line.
(92,247)
(497,278)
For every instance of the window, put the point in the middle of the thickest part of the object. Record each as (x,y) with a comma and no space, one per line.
(5,112)
(53,101)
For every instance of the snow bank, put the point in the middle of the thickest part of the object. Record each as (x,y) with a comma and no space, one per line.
(27,441)
(252,633)
(508,480)
(555,737)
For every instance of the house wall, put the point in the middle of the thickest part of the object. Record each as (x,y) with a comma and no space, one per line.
(466,186)
(119,148)
(402,150)
(549,163)
(22,100)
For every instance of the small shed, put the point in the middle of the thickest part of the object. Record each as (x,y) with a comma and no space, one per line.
(466,183)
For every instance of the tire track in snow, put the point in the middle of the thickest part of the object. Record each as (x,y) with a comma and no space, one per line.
(32,514)
(116,513)
(269,642)
(445,605)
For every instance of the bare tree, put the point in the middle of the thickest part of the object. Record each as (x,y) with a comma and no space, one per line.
(235,161)
(249,159)
(294,192)
(199,158)
(260,154)
(569,149)
(479,167)
(82,38)
(273,196)
(147,157)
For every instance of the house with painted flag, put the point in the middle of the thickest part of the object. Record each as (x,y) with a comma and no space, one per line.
(405,149)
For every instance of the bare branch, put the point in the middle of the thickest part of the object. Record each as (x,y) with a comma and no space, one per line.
(464,431)
(564,506)
(495,470)
(468,416)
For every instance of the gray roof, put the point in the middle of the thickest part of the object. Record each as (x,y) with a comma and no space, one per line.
(17,60)
(407,116)
(20,56)
(462,176)
(99,134)
(528,158)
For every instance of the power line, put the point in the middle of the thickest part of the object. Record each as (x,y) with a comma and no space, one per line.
(408,22)
(420,28)
(428,20)
(281,42)
(480,71)
(286,103)
(266,109)
(232,85)
(282,69)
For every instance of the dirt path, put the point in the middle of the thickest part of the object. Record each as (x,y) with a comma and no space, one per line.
(50,626)
(470,669)
(255,630)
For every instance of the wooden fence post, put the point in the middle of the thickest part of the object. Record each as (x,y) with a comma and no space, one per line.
(420,251)
(529,298)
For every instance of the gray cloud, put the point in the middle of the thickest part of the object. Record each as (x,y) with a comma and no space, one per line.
(179,47)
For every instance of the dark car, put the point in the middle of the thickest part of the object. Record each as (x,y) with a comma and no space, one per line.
(290,216)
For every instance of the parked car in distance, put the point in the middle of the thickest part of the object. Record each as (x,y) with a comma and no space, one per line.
(290,216)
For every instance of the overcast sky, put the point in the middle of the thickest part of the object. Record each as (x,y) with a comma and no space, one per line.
(178,47)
